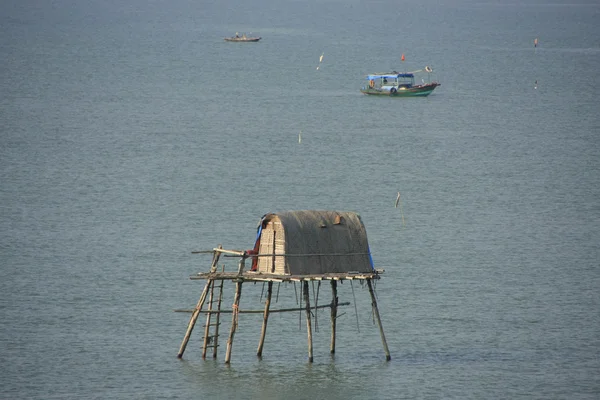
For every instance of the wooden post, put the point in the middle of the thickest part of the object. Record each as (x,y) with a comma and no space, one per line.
(308,324)
(196,312)
(334,304)
(376,312)
(265,319)
(236,308)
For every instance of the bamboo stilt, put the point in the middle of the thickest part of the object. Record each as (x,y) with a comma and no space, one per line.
(334,305)
(234,320)
(376,312)
(193,319)
(235,313)
(265,319)
(308,323)
(196,313)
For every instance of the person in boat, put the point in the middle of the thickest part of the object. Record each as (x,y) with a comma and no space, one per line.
(384,80)
(237,35)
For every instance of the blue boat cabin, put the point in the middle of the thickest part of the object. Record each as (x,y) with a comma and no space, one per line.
(391,80)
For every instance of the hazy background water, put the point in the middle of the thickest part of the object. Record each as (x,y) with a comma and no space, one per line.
(132,134)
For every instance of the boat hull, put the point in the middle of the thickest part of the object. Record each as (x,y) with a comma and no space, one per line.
(233,39)
(415,91)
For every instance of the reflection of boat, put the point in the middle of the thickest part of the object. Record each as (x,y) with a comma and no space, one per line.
(398,84)
(243,38)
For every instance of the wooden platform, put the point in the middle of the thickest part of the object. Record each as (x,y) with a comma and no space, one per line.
(255,276)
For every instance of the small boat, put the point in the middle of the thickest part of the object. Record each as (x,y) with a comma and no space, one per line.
(398,84)
(243,38)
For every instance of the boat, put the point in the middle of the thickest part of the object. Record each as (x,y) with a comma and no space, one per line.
(399,84)
(243,38)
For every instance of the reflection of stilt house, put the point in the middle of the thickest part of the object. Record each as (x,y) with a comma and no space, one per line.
(294,246)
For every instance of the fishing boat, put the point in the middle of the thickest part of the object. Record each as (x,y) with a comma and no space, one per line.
(399,84)
(242,38)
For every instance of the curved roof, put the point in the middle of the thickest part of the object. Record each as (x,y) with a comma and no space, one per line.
(323,241)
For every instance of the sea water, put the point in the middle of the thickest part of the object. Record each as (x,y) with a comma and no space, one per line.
(132,134)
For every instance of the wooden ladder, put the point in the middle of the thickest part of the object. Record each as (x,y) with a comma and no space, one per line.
(209,285)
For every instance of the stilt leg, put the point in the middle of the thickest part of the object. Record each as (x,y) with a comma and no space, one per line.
(308,323)
(234,320)
(376,312)
(265,319)
(235,313)
(193,319)
(334,304)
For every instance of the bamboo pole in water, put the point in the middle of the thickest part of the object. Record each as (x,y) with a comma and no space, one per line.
(334,305)
(308,324)
(235,313)
(193,319)
(376,312)
(265,319)
(234,321)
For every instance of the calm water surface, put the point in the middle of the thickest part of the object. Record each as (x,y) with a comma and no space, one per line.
(131,134)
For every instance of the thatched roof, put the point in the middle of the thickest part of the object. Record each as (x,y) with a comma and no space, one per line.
(313,242)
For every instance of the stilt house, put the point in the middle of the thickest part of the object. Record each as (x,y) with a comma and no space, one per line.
(292,246)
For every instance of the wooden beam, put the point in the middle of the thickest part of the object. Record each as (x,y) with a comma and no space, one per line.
(232,252)
(262,311)
(262,277)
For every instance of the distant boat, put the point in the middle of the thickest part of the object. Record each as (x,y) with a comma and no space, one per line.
(397,84)
(243,38)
